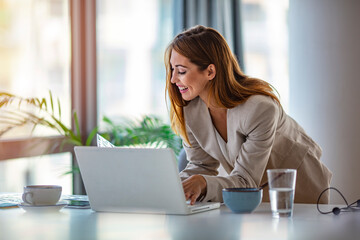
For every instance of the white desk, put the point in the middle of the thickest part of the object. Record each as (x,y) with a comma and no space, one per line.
(220,224)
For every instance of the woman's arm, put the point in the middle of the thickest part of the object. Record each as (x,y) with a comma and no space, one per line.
(200,163)
(259,127)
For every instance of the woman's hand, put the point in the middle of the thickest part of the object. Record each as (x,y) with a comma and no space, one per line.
(194,186)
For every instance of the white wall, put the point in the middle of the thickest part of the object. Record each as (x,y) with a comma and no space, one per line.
(324,48)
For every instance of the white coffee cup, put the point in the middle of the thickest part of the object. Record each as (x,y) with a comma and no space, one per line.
(42,194)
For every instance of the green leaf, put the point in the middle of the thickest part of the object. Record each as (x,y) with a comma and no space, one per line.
(73,170)
(67,131)
(51,102)
(59,107)
(73,142)
(91,136)
(107,120)
(77,126)
(43,103)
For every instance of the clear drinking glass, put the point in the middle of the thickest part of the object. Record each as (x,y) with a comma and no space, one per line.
(281,191)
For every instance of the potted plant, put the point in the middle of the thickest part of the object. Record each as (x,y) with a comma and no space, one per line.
(148,131)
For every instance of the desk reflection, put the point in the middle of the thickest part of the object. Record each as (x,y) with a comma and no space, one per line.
(306,223)
(207,225)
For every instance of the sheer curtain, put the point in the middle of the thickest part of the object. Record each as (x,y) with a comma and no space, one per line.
(223,15)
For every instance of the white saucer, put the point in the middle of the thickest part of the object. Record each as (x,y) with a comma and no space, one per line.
(43,208)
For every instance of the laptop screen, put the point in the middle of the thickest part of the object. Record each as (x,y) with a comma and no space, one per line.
(102,142)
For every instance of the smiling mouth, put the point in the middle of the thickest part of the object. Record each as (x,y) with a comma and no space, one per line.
(183,89)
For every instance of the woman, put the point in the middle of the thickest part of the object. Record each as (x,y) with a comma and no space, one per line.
(225,117)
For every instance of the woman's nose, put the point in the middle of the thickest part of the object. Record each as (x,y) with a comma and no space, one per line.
(173,78)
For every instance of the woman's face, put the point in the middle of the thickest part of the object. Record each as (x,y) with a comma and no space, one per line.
(189,79)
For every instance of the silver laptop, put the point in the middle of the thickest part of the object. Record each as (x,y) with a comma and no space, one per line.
(142,180)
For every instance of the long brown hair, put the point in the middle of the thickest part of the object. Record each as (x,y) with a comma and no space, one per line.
(230,87)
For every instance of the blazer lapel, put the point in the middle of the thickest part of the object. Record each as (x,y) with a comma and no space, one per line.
(200,123)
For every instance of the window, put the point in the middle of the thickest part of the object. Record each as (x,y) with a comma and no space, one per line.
(131,40)
(45,169)
(35,58)
(35,53)
(37,50)
(265,38)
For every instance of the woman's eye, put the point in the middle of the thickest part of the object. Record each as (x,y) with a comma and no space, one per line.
(182,72)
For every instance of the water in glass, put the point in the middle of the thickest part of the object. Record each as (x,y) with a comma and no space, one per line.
(281,200)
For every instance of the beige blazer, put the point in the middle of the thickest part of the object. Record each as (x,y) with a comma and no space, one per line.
(261,136)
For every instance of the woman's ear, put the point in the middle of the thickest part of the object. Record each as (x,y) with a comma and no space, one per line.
(211,71)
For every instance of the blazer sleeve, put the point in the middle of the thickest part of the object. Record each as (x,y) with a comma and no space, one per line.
(259,126)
